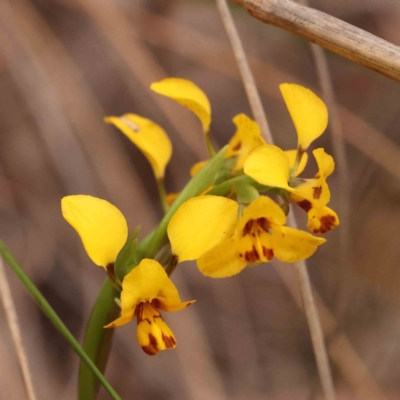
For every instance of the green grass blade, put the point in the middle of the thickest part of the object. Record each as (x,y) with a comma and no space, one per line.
(54,318)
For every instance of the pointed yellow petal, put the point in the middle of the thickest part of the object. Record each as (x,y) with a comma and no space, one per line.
(292,159)
(262,207)
(294,245)
(322,220)
(309,113)
(149,137)
(171,305)
(127,315)
(189,95)
(246,139)
(200,224)
(268,165)
(100,225)
(325,162)
(152,333)
(223,260)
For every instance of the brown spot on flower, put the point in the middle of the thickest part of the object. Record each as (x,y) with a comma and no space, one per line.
(263,223)
(247,228)
(305,205)
(169,341)
(237,146)
(252,256)
(317,192)
(268,253)
(151,349)
(155,303)
(327,223)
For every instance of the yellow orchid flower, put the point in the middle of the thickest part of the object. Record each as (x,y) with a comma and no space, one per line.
(224,245)
(149,137)
(308,112)
(100,225)
(145,290)
(246,139)
(259,236)
(187,94)
(271,166)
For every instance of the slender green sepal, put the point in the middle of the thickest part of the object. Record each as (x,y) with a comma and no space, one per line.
(127,256)
(200,182)
(56,321)
(246,192)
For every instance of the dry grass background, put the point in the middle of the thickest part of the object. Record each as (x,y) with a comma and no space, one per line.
(64,65)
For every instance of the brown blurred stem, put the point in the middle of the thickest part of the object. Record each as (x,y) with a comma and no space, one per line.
(245,71)
(13,323)
(317,336)
(329,32)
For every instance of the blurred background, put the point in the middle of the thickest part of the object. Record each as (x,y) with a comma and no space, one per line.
(64,65)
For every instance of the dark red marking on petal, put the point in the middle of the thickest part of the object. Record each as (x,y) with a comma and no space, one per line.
(247,228)
(169,341)
(155,303)
(317,192)
(327,223)
(151,349)
(251,256)
(264,223)
(237,146)
(268,253)
(305,205)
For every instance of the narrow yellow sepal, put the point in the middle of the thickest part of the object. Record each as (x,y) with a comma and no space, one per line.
(149,137)
(268,165)
(100,225)
(200,224)
(187,94)
(308,112)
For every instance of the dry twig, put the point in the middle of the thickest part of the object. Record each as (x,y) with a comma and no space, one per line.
(329,32)
(13,323)
(309,304)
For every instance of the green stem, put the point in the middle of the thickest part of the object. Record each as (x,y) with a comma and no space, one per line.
(201,181)
(223,188)
(54,318)
(95,339)
(210,147)
(163,194)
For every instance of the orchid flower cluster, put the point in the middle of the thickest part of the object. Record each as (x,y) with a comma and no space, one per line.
(224,218)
